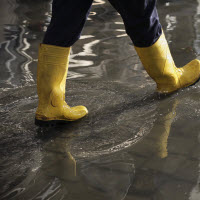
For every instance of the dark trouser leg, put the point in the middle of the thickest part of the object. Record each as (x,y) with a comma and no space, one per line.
(140,19)
(68,19)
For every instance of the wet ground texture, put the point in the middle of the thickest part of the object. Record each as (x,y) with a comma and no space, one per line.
(133,145)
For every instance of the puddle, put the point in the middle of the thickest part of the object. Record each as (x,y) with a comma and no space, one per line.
(132,145)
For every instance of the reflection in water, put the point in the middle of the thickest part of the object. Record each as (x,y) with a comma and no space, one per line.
(160,169)
(195,193)
(155,142)
(171,25)
(112,175)
(131,144)
(57,174)
(54,166)
(15,48)
(197,28)
(99,2)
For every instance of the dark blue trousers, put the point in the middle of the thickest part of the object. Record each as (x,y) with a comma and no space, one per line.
(68,18)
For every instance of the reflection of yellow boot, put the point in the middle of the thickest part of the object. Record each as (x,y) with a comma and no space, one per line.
(161,130)
(57,159)
(51,78)
(159,64)
(155,143)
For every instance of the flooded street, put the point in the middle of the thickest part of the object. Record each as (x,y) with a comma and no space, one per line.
(133,145)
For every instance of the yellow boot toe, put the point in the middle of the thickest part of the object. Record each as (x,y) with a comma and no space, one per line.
(75,113)
(160,66)
(190,73)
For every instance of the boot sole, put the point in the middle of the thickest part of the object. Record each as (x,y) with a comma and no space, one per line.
(50,123)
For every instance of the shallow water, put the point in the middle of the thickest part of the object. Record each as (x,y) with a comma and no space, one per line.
(133,144)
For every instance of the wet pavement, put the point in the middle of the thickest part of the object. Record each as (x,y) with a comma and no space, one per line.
(133,145)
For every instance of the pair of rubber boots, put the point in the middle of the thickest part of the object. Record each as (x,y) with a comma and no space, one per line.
(52,73)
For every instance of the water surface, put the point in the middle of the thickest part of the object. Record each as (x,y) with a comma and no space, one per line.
(134,144)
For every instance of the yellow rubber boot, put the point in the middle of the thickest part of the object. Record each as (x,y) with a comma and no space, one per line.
(159,64)
(51,78)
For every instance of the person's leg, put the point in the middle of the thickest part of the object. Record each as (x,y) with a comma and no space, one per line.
(68,18)
(142,25)
(140,19)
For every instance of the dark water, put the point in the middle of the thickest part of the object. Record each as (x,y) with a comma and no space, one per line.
(133,145)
